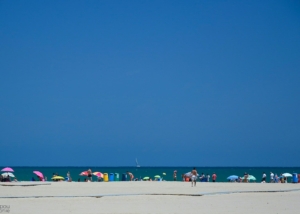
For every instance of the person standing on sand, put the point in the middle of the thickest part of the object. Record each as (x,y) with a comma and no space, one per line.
(175,175)
(263,179)
(194,176)
(90,174)
(245,177)
(69,176)
(130,175)
(214,177)
(271,177)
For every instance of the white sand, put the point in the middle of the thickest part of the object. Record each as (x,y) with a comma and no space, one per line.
(151,197)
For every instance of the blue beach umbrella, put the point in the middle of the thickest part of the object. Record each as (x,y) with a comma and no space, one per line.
(232,177)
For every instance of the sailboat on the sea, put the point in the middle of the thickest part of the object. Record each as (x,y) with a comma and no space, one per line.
(137,164)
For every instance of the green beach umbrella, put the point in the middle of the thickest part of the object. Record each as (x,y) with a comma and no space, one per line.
(156,176)
(146,178)
(250,178)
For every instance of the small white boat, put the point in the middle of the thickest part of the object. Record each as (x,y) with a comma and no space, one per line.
(137,164)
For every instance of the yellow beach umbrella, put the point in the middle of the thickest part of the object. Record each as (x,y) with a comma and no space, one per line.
(58,178)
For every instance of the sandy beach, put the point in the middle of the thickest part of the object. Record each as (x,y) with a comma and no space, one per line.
(149,197)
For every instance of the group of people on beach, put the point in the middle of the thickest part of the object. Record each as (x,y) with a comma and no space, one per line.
(7,179)
(193,176)
(202,177)
(274,178)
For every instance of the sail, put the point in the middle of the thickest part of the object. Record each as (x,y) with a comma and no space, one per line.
(137,164)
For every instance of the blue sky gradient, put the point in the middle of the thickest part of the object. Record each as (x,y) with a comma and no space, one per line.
(172,83)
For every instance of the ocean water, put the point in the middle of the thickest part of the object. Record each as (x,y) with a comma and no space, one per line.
(26,173)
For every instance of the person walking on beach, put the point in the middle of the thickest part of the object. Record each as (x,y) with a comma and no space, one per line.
(263,179)
(194,176)
(271,177)
(130,176)
(175,175)
(214,177)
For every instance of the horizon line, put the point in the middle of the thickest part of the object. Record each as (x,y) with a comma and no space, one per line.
(160,166)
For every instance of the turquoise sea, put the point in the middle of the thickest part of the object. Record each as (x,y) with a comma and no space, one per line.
(26,173)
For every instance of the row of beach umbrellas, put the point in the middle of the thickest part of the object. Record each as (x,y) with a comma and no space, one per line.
(251,177)
(234,177)
(99,174)
(8,172)
(156,176)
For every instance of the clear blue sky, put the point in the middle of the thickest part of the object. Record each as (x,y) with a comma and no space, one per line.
(172,83)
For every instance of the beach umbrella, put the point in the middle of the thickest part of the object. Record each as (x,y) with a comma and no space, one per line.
(250,178)
(98,174)
(85,173)
(164,173)
(7,169)
(5,174)
(287,175)
(146,178)
(232,177)
(38,174)
(58,178)
(188,174)
(156,176)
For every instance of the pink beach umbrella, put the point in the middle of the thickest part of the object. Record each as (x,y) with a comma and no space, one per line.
(98,174)
(38,174)
(7,169)
(85,173)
